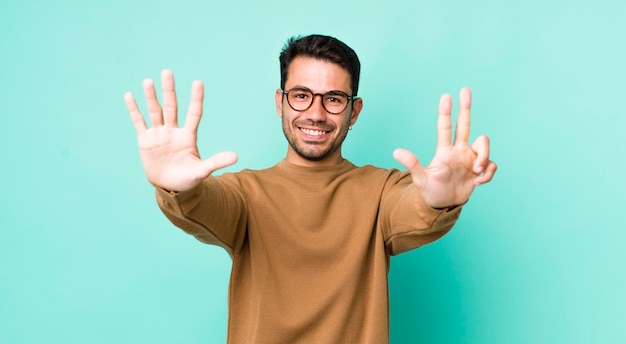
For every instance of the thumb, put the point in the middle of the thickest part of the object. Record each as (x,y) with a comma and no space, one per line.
(217,161)
(410,161)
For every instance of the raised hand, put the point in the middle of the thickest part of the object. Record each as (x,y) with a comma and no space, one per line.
(169,154)
(457,167)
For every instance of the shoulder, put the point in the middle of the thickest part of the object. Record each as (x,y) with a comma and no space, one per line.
(387,174)
(247,175)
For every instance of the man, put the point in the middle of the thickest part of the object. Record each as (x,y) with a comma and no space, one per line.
(310,238)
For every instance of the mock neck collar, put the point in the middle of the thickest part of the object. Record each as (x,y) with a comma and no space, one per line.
(342,167)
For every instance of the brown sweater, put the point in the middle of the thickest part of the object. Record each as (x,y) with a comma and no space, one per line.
(310,247)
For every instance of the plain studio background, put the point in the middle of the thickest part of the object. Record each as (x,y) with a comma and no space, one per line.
(537,257)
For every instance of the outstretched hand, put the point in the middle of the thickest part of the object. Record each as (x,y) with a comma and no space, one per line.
(169,154)
(457,167)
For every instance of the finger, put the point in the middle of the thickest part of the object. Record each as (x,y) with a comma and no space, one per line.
(169,98)
(444,123)
(195,106)
(481,147)
(216,162)
(463,122)
(410,161)
(135,116)
(154,109)
(486,177)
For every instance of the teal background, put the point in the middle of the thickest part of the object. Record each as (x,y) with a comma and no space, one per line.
(537,257)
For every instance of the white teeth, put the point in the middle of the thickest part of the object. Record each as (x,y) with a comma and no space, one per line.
(313,132)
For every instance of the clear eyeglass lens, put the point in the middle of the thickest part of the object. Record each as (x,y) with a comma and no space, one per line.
(335,102)
(300,99)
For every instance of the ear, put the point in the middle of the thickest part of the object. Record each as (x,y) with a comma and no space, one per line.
(278,97)
(357,106)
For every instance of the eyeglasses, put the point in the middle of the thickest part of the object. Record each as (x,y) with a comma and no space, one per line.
(301,99)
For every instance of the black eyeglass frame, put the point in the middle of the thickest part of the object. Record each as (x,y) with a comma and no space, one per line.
(350,98)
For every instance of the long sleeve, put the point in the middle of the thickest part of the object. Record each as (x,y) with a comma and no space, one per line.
(407,222)
(215,212)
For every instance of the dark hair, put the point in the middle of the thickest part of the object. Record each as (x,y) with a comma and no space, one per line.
(324,48)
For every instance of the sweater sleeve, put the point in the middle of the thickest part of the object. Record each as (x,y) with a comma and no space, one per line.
(214,212)
(408,222)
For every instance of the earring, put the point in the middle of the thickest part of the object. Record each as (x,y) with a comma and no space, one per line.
(350,128)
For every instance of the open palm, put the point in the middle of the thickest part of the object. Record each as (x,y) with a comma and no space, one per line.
(169,153)
(457,168)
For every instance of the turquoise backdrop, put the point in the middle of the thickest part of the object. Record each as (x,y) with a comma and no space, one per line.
(537,257)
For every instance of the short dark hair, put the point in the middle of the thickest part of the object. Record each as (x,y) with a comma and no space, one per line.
(321,47)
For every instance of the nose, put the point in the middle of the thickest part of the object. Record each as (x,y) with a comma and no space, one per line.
(317,112)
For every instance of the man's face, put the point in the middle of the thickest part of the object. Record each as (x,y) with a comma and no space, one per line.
(315,136)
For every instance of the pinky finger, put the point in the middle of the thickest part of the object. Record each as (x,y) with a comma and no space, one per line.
(135,116)
(488,175)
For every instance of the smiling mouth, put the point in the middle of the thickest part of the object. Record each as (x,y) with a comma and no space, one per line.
(313,132)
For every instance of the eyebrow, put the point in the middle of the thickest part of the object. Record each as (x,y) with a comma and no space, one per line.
(337,92)
(331,91)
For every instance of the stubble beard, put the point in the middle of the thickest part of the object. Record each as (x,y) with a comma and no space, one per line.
(290,130)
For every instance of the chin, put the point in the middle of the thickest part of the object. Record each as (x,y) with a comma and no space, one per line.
(315,155)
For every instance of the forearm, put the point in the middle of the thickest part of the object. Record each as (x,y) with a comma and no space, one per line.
(408,222)
(213,212)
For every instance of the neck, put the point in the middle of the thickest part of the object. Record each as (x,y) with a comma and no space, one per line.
(296,159)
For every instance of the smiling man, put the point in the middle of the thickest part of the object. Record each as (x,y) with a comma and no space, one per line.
(311,237)
(316,129)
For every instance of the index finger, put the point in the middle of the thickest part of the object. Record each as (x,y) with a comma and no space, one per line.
(195,106)
(463,121)
(444,123)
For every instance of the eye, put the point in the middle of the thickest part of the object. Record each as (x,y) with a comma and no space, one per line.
(299,94)
(335,98)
